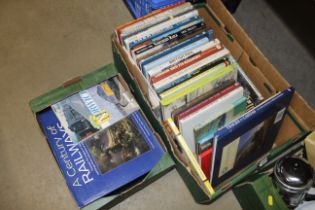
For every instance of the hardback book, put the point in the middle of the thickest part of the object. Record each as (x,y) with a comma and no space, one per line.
(185,63)
(194,70)
(247,138)
(199,86)
(156,17)
(153,46)
(204,131)
(100,140)
(158,29)
(205,161)
(210,112)
(174,54)
(179,57)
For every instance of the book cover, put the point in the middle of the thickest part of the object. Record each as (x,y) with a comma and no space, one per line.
(93,109)
(205,161)
(208,113)
(248,138)
(106,160)
(204,131)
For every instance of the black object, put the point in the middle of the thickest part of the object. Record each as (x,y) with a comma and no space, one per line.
(231,5)
(293,177)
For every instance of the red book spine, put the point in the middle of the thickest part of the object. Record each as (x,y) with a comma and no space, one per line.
(184,64)
(205,161)
(206,102)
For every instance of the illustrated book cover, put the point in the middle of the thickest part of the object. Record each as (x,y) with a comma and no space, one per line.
(100,146)
(248,138)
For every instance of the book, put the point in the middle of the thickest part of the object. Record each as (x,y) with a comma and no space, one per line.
(204,131)
(105,160)
(138,38)
(177,57)
(174,54)
(205,161)
(154,18)
(247,138)
(95,108)
(174,132)
(206,102)
(185,63)
(155,45)
(251,92)
(204,85)
(199,67)
(208,113)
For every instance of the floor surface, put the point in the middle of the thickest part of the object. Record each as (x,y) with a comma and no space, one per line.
(45,42)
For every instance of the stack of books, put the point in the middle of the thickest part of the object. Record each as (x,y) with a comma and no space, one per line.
(201,92)
(100,139)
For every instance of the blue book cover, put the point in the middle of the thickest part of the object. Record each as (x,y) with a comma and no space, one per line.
(105,160)
(248,138)
(176,50)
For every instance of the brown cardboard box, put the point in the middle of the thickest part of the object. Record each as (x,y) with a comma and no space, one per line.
(300,117)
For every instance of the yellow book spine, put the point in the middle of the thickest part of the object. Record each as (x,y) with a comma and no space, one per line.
(196,167)
(195,78)
(196,85)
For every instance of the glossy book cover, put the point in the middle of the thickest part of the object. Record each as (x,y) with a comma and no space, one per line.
(105,160)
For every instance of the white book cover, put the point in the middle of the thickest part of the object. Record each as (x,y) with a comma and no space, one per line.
(211,111)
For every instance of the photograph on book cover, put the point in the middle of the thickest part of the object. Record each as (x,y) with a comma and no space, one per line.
(96,108)
(248,138)
(116,145)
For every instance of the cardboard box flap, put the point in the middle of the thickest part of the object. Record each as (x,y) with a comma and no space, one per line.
(299,105)
(72,86)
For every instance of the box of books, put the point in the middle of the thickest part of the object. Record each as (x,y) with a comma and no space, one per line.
(220,107)
(102,141)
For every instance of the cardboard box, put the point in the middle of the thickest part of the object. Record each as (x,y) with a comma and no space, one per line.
(299,121)
(83,82)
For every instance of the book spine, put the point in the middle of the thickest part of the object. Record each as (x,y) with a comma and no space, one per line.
(175,57)
(176,68)
(151,19)
(205,162)
(166,46)
(168,56)
(164,84)
(168,39)
(160,28)
(195,86)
